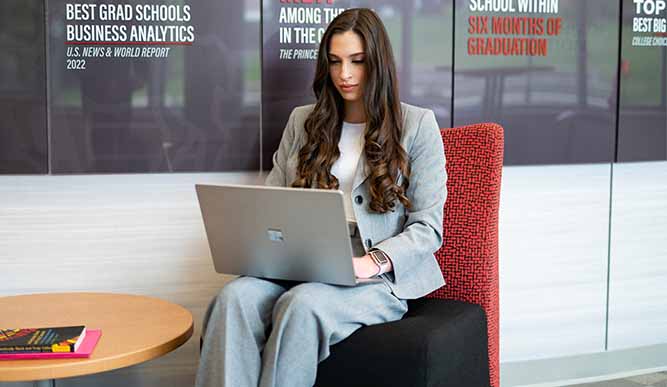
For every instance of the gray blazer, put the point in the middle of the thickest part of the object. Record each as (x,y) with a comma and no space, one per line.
(409,237)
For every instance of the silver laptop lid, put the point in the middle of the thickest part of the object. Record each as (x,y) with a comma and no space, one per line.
(277,232)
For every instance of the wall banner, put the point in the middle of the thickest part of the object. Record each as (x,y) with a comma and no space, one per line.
(420,32)
(153,86)
(543,69)
(642,118)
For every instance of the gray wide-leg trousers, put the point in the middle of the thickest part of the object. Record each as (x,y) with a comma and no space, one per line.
(267,334)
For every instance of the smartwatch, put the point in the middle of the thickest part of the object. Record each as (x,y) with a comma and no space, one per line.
(381,260)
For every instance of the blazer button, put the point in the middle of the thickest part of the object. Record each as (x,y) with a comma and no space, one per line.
(369,243)
(358,199)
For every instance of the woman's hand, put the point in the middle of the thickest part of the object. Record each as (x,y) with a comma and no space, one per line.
(364,267)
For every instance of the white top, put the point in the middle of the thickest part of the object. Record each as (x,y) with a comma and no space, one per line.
(351,145)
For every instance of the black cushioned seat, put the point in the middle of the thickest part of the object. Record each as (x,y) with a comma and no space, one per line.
(437,343)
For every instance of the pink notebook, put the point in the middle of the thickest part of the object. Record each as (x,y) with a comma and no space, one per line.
(85,349)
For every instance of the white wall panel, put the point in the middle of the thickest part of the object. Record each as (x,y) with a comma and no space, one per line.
(143,234)
(638,278)
(553,260)
(139,234)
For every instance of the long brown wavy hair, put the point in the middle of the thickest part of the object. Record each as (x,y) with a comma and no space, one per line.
(385,157)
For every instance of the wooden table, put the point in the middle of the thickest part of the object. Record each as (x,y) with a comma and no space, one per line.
(134,329)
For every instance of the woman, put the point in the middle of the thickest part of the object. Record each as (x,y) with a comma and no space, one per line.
(387,157)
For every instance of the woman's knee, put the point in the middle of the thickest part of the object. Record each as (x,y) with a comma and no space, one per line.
(241,291)
(301,301)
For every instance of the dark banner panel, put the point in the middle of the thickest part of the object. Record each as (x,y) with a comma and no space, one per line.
(421,35)
(23,134)
(545,70)
(154,86)
(642,125)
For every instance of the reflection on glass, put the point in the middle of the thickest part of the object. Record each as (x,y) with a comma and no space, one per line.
(195,108)
(23,132)
(556,109)
(420,32)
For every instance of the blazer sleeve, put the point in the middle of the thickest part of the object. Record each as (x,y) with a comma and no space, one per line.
(427,191)
(278,176)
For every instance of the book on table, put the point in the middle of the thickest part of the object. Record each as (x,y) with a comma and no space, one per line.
(50,340)
(85,350)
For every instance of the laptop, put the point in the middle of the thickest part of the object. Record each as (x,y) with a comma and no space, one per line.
(278,233)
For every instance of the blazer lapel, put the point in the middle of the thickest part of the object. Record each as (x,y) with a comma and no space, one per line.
(360,174)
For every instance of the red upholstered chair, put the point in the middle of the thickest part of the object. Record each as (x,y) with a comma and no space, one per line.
(449,337)
(469,255)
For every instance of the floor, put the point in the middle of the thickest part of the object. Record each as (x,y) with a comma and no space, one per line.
(651,380)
